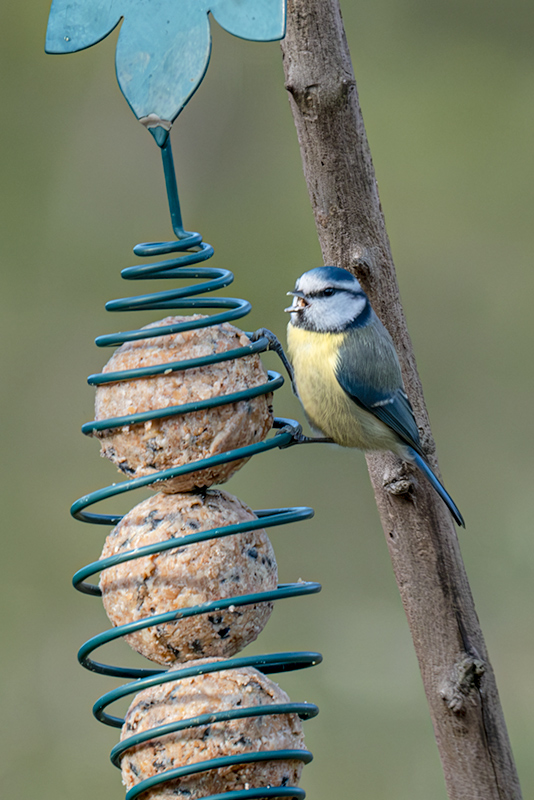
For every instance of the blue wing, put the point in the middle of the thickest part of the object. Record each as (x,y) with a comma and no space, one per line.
(393,409)
(369,372)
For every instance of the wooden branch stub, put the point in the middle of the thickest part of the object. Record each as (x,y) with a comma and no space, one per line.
(457,675)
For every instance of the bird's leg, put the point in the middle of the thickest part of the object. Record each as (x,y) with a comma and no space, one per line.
(302,439)
(275,345)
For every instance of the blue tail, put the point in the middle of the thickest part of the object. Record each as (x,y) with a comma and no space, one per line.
(445,496)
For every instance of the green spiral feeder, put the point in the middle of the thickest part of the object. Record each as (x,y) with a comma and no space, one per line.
(162,55)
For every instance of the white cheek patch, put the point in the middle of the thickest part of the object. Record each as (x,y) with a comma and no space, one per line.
(334,313)
(358,305)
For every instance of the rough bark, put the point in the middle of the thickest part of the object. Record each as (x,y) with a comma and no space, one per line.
(458,678)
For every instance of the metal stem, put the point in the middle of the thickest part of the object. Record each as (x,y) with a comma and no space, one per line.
(172,190)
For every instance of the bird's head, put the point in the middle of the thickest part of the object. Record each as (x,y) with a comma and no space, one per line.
(328,300)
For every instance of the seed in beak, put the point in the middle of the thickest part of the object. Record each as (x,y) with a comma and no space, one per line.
(299,302)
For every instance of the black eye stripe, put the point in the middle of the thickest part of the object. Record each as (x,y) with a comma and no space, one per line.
(331,290)
(322,292)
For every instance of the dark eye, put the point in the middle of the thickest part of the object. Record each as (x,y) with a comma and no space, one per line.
(328,292)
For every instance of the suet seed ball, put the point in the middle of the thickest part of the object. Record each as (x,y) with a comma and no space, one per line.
(144,449)
(207,694)
(189,575)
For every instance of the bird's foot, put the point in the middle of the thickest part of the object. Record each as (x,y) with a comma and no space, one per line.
(297,437)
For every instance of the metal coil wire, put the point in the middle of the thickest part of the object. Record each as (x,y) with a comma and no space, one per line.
(188,250)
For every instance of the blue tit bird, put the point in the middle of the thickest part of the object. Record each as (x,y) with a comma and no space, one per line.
(347,373)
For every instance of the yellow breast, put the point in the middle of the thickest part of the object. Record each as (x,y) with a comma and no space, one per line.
(327,406)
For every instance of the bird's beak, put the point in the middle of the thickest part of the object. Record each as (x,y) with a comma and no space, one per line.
(299,302)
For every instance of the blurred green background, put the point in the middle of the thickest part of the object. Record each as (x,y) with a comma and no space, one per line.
(447,91)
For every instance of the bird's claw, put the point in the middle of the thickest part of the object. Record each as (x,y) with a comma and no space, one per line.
(297,437)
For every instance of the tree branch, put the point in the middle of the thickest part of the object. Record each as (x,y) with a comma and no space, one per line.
(457,675)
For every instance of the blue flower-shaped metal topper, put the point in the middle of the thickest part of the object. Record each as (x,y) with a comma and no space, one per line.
(164,45)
